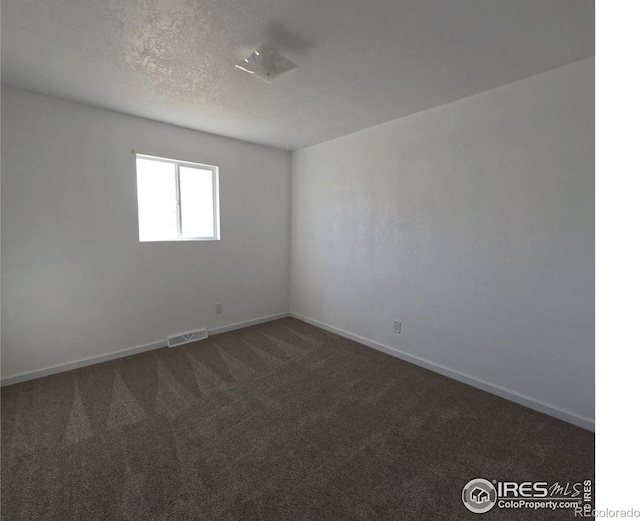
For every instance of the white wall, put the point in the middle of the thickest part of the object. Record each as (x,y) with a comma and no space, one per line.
(76,283)
(473,224)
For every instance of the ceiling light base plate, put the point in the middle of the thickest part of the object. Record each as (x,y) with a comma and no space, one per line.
(266,64)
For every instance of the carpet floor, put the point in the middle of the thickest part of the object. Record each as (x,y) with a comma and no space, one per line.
(279,421)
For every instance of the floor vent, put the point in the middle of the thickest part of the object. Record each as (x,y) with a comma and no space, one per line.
(186,338)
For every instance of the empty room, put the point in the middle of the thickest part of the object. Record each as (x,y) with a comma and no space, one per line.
(296,260)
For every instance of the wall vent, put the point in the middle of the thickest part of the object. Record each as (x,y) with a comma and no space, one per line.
(187,337)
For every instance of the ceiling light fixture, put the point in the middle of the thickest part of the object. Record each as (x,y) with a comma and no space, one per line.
(266,64)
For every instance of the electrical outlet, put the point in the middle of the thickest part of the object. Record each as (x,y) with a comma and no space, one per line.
(218,309)
(396,326)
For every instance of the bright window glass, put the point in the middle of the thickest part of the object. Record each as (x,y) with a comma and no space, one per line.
(196,202)
(176,200)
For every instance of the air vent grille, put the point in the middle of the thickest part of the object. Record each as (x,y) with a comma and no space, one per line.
(187,337)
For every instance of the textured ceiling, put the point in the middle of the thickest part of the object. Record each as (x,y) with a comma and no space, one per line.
(362,62)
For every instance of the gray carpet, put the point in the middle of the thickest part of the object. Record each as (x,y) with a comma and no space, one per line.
(280,421)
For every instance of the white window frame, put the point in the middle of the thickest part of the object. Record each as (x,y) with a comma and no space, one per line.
(216,203)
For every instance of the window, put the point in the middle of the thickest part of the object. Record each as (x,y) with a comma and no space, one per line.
(177,200)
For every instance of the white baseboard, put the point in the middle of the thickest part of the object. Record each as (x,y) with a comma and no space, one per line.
(532,403)
(60,368)
(247,323)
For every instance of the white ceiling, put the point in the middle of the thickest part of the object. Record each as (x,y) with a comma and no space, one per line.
(362,62)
